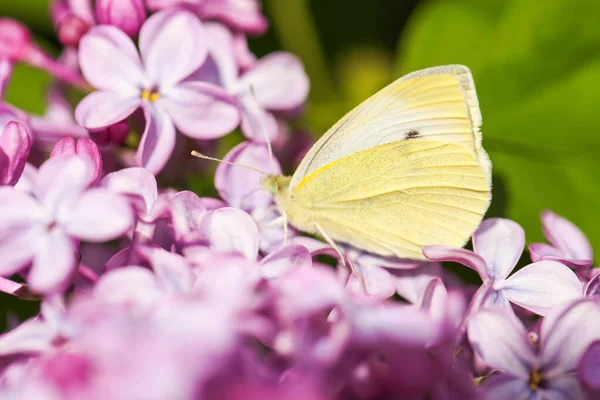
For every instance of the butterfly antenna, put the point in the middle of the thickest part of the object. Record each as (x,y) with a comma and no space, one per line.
(263,125)
(200,155)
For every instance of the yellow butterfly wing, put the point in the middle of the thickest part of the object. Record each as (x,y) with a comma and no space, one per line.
(437,103)
(392,199)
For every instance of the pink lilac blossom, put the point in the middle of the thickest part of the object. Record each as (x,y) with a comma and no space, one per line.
(150,289)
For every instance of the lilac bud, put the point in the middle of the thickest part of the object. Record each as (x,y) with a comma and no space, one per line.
(71,29)
(84,148)
(15,39)
(112,134)
(15,144)
(127,15)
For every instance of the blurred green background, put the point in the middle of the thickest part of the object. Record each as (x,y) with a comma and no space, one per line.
(536,66)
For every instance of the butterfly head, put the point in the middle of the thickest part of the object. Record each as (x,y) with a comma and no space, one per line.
(276,184)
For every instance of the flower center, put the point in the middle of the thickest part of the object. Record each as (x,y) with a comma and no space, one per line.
(535,379)
(150,95)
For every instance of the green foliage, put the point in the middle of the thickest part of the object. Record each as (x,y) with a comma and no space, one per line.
(537,71)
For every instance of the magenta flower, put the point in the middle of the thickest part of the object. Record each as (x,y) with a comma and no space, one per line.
(44,229)
(172,46)
(498,244)
(568,245)
(274,83)
(15,144)
(544,370)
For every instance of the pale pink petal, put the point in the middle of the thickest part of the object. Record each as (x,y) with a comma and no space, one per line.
(566,333)
(172,45)
(109,60)
(158,140)
(283,260)
(60,179)
(230,230)
(279,81)
(221,47)
(377,281)
(187,210)
(411,282)
(564,387)
(244,15)
(506,386)
(201,110)
(257,124)
(172,270)
(563,234)
(135,181)
(129,285)
(54,263)
(542,251)
(434,298)
(500,243)
(589,367)
(18,247)
(27,181)
(104,108)
(542,286)
(15,143)
(98,216)
(242,187)
(500,339)
(461,256)
(18,209)
(592,287)
(243,56)
(32,336)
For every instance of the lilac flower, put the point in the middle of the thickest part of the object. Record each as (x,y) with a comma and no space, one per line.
(44,229)
(127,15)
(589,368)
(172,46)
(72,19)
(498,244)
(568,245)
(276,82)
(542,371)
(15,144)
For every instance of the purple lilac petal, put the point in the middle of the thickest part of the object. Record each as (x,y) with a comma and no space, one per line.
(54,263)
(187,211)
(18,248)
(110,61)
(243,15)
(127,15)
(60,180)
(285,259)
(434,299)
(221,46)
(158,140)
(18,209)
(589,367)
(103,108)
(566,333)
(257,123)
(564,235)
(506,386)
(201,110)
(592,288)
(377,281)
(563,387)
(541,286)
(172,270)
(83,147)
(131,285)
(500,243)
(98,215)
(229,230)
(279,81)
(540,251)
(410,282)
(173,46)
(32,336)
(462,256)
(135,181)
(500,339)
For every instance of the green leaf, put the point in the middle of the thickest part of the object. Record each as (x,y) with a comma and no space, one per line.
(537,71)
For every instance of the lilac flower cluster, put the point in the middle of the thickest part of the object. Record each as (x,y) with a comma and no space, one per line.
(148,292)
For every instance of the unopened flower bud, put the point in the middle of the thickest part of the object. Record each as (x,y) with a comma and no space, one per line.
(85,148)
(71,29)
(127,15)
(15,39)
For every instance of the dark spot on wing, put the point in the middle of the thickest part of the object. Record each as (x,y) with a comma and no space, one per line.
(412,134)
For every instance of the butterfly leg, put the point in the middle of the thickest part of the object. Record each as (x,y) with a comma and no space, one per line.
(330,242)
(282,219)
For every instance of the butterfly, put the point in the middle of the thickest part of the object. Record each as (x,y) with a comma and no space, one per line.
(403,169)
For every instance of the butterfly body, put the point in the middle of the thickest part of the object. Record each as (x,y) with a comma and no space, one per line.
(402,170)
